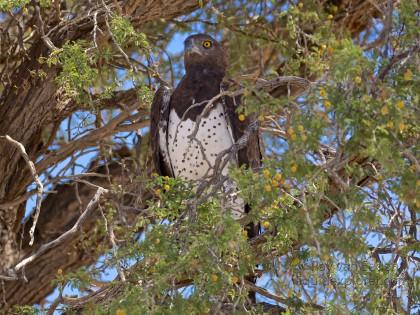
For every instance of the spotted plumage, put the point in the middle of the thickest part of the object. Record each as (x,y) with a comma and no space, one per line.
(180,148)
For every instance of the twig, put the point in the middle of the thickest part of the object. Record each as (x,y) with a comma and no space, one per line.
(65,236)
(277,298)
(40,187)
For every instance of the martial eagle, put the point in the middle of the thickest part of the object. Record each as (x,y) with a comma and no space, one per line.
(180,148)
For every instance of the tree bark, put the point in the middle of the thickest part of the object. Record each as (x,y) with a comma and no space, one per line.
(31,104)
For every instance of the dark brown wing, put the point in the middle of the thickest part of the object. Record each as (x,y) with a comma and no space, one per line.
(159,124)
(250,155)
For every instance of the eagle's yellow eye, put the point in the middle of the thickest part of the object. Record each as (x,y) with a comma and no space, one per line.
(207,44)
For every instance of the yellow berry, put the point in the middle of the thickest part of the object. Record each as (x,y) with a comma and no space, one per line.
(120,312)
(266,173)
(300,5)
(330,17)
(242,117)
(166,187)
(290,131)
(294,168)
(59,271)
(384,110)
(267,188)
(330,51)
(408,75)
(157,241)
(327,104)
(214,278)
(166,177)
(324,47)
(358,80)
(304,137)
(400,104)
(266,224)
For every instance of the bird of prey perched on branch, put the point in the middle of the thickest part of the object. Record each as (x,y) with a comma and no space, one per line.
(193,127)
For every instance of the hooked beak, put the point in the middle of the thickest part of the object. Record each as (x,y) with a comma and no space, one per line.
(191,48)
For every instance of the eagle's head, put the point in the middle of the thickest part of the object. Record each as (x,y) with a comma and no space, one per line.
(203,52)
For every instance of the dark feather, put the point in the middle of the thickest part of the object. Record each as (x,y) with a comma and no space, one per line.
(159,120)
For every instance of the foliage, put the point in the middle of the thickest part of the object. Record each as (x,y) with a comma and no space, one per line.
(336,197)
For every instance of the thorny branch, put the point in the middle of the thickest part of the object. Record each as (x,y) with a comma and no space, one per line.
(62,238)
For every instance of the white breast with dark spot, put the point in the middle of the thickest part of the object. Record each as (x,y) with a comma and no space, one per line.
(194,158)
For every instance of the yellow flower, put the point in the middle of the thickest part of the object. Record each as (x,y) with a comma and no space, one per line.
(120,312)
(390,124)
(358,80)
(241,117)
(266,173)
(295,261)
(301,128)
(294,168)
(278,176)
(267,188)
(290,131)
(327,104)
(400,104)
(384,110)
(157,192)
(166,187)
(266,224)
(214,278)
(408,75)
(293,136)
(402,127)
(166,177)
(275,183)
(323,93)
